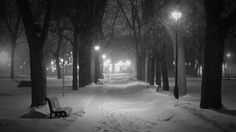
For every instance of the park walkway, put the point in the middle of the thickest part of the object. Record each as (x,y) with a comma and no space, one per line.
(117,106)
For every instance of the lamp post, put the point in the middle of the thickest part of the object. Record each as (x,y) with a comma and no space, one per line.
(97,65)
(176,15)
(63,78)
(228,55)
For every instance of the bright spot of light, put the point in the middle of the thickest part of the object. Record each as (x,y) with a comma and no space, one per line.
(228,55)
(176,15)
(104,56)
(3,57)
(97,48)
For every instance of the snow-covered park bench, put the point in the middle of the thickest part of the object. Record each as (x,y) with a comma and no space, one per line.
(56,110)
(24,83)
(101,81)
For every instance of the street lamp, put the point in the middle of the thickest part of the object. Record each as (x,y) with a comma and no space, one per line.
(228,55)
(176,15)
(97,63)
(97,48)
(63,78)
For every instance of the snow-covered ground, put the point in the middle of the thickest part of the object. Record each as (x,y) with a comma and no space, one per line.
(120,105)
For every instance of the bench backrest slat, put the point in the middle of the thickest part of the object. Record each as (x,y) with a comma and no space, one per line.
(53,103)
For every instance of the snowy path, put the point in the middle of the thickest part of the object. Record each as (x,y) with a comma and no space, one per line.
(118,106)
(134,108)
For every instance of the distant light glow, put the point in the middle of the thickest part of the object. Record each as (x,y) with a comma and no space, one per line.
(97,48)
(228,55)
(104,56)
(176,15)
(107,62)
(128,63)
(3,57)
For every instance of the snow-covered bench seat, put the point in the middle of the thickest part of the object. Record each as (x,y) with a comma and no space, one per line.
(24,83)
(101,81)
(56,110)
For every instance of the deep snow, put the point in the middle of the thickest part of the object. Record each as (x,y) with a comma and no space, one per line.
(120,105)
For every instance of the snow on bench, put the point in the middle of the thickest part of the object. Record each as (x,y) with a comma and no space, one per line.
(101,81)
(56,109)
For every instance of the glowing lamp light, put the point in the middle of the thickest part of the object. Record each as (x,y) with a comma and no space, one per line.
(228,55)
(176,15)
(104,56)
(97,48)
(52,62)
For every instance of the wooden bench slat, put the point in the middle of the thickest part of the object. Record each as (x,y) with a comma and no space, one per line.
(55,108)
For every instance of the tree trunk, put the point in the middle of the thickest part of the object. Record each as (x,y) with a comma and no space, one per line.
(158,73)
(151,71)
(216,30)
(12,73)
(57,55)
(75,60)
(36,41)
(143,66)
(58,66)
(212,71)
(93,66)
(38,78)
(164,71)
(84,64)
(139,65)
(146,66)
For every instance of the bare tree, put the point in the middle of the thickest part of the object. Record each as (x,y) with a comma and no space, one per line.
(12,20)
(36,36)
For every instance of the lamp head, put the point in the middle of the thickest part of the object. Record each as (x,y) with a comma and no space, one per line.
(176,15)
(97,48)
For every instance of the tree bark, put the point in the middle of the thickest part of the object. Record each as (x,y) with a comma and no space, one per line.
(216,30)
(75,60)
(151,70)
(212,71)
(158,72)
(84,64)
(12,73)
(36,41)
(164,74)
(146,66)
(38,78)
(57,54)
(58,66)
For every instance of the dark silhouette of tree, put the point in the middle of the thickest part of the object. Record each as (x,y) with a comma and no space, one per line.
(90,14)
(218,22)
(36,36)
(62,28)
(133,8)
(157,41)
(12,20)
